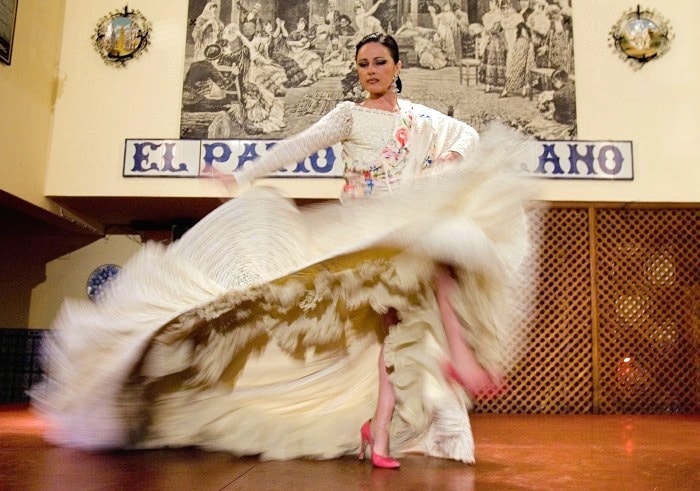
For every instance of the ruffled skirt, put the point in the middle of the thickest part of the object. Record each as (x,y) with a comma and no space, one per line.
(258,331)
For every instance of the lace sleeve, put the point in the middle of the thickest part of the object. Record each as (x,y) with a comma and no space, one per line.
(464,139)
(334,127)
(459,136)
(451,134)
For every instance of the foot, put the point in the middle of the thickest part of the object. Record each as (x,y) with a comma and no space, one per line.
(378,460)
(475,379)
(463,367)
(380,438)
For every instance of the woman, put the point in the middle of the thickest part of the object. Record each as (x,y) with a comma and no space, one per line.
(429,54)
(333,16)
(260,330)
(299,45)
(337,60)
(264,71)
(510,20)
(206,30)
(493,64)
(557,42)
(520,63)
(250,21)
(366,22)
(278,52)
(539,25)
(345,26)
(448,31)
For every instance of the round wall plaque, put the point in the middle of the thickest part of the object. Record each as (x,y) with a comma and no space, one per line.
(98,279)
(122,35)
(641,36)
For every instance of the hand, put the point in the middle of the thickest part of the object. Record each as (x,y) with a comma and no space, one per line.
(449,156)
(227,180)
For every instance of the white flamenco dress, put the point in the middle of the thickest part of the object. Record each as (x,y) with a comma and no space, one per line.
(258,331)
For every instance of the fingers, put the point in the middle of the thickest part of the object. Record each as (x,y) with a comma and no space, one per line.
(449,156)
(228,181)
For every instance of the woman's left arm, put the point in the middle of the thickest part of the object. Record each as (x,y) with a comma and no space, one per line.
(455,138)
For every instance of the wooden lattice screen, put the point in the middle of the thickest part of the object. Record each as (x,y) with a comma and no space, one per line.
(616,320)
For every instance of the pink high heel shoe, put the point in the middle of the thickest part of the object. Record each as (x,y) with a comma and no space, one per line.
(377,460)
(451,374)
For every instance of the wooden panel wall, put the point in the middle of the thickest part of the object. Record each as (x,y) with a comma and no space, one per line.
(616,321)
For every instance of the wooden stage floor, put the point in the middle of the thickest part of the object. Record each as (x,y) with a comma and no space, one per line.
(513,453)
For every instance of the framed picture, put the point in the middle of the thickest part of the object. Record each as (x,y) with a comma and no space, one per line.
(641,35)
(8,15)
(122,35)
(269,69)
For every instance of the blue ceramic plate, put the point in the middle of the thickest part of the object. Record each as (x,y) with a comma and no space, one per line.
(99,278)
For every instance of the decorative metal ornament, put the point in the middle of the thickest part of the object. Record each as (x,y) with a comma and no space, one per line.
(641,35)
(121,35)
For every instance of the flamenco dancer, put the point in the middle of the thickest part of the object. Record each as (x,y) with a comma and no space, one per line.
(260,331)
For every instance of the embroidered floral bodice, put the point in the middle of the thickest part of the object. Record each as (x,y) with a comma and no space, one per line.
(379,148)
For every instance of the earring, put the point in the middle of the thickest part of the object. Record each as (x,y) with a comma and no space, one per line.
(393,84)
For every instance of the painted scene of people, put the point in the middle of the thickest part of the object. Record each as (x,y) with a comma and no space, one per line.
(266,69)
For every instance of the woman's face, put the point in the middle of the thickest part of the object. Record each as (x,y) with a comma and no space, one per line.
(376,69)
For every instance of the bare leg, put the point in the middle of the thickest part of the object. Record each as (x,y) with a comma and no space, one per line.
(470,374)
(381,420)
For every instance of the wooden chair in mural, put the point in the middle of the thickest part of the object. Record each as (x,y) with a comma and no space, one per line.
(469,66)
(469,71)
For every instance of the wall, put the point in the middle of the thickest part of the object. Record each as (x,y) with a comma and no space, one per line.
(656,107)
(99,106)
(27,92)
(67,276)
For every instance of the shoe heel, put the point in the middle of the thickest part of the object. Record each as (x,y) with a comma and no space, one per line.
(363,450)
(377,460)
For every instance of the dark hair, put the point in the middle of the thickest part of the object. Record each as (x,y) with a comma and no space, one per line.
(388,42)
(522,28)
(560,76)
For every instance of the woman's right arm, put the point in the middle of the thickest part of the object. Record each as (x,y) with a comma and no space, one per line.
(333,128)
